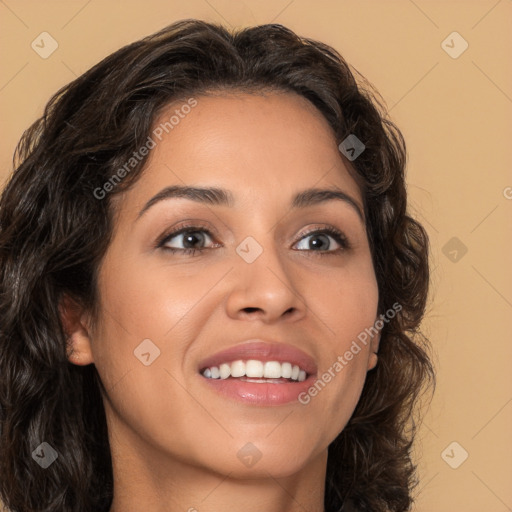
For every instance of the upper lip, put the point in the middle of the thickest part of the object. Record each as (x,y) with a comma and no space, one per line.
(262,350)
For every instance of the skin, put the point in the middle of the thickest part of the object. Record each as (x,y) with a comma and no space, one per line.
(174,441)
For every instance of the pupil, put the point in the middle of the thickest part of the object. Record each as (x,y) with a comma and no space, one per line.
(313,243)
(190,237)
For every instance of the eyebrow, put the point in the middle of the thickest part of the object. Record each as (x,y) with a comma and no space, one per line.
(222,197)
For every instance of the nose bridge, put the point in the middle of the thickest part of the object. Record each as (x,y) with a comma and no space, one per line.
(263,278)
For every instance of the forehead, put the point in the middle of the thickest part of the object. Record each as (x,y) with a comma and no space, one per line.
(263,145)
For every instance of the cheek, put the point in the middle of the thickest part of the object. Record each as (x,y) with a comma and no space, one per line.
(333,396)
(150,318)
(138,350)
(147,302)
(347,301)
(347,306)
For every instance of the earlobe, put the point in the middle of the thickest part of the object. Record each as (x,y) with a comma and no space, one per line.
(372,360)
(78,341)
(374,349)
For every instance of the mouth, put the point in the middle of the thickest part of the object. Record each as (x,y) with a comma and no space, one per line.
(259,372)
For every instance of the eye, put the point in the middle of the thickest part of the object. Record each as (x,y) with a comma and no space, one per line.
(188,237)
(319,239)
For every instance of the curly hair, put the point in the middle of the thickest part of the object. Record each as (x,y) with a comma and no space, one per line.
(54,232)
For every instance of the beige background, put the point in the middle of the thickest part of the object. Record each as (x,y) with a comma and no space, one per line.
(455,114)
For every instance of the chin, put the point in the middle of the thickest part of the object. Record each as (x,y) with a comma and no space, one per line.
(262,457)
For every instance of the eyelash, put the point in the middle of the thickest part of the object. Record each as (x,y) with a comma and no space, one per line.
(338,236)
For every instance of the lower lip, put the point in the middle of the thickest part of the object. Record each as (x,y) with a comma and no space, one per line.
(264,393)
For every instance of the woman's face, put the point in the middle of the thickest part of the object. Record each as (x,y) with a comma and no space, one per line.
(259,272)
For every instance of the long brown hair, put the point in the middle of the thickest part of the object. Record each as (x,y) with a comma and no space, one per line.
(54,231)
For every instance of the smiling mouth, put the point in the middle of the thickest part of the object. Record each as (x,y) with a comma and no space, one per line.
(253,370)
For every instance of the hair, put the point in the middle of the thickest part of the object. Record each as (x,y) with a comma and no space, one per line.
(54,232)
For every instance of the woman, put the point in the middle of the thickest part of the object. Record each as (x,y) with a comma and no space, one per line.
(210,287)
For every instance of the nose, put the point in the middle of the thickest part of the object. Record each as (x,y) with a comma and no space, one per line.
(268,289)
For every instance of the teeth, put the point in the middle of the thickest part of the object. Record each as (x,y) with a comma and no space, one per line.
(253,368)
(237,369)
(257,370)
(286,370)
(225,371)
(272,370)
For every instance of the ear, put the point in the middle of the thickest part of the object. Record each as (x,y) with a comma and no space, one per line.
(374,349)
(75,324)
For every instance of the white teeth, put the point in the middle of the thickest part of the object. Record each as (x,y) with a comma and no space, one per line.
(256,370)
(225,370)
(286,370)
(237,369)
(272,370)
